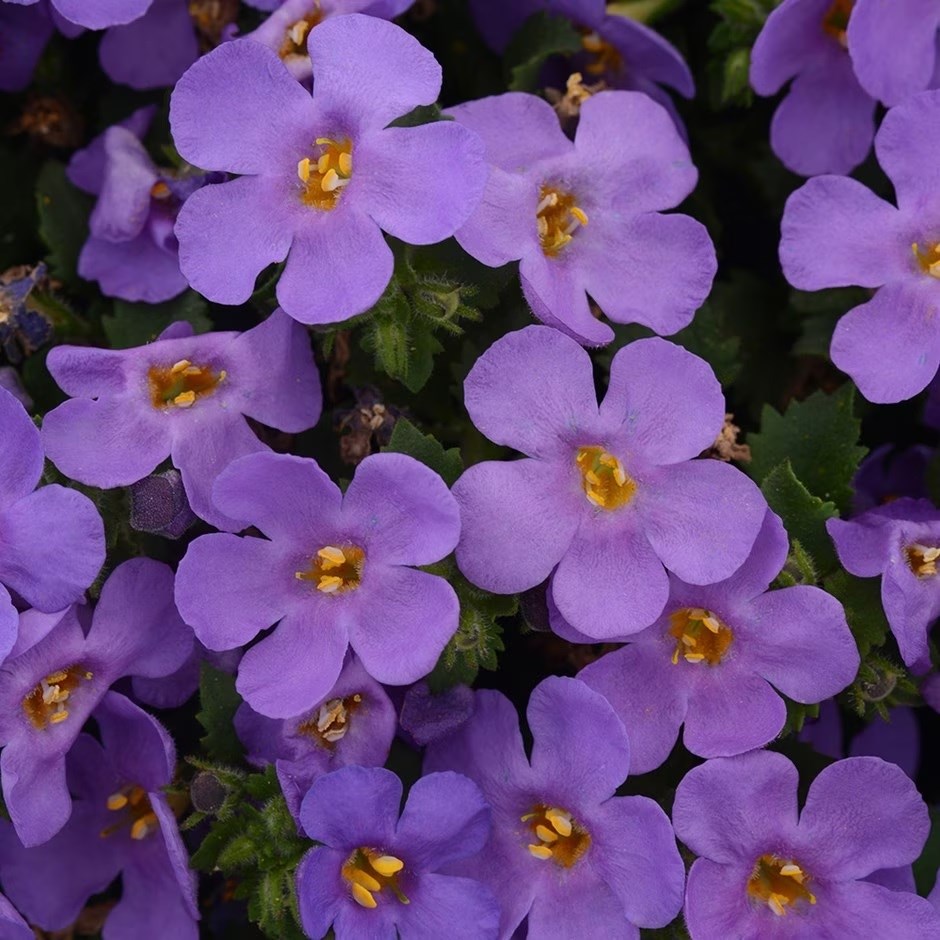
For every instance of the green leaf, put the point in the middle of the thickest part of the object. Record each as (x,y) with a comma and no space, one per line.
(540,37)
(218,702)
(861,598)
(407,439)
(710,336)
(804,515)
(63,219)
(819,436)
(134,324)
(643,11)
(422,114)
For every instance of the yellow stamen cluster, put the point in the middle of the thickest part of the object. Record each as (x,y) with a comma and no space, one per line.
(606,483)
(136,812)
(603,57)
(700,636)
(778,883)
(557,836)
(330,722)
(558,218)
(368,873)
(46,703)
(325,176)
(922,559)
(295,36)
(181,384)
(335,570)
(836,21)
(928,259)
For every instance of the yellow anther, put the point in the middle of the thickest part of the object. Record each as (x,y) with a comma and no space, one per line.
(185,399)
(688,640)
(363,897)
(180,366)
(332,557)
(675,656)
(694,657)
(606,483)
(712,624)
(773,902)
(140,828)
(778,883)
(345,163)
(546,834)
(329,584)
(922,559)
(561,822)
(792,871)
(326,173)
(298,32)
(695,628)
(57,717)
(182,383)
(579,214)
(364,879)
(387,865)
(557,217)
(303,169)
(542,852)
(117,801)
(330,181)
(56,677)
(928,259)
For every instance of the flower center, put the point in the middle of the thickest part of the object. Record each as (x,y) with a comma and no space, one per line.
(606,483)
(928,259)
(779,884)
(558,836)
(700,636)
(335,570)
(330,722)
(325,175)
(922,559)
(46,704)
(557,218)
(368,873)
(295,37)
(136,813)
(603,57)
(182,383)
(836,21)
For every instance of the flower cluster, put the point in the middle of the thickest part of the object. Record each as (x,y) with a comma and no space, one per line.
(284,458)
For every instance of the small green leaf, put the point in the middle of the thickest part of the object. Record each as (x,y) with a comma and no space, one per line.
(63,219)
(218,703)
(861,598)
(407,439)
(134,324)
(540,37)
(423,114)
(819,436)
(804,515)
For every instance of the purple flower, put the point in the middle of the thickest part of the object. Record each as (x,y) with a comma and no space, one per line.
(716,658)
(584,217)
(608,495)
(178,687)
(45,571)
(564,851)
(56,675)
(324,175)
(183,396)
(122,824)
(159,505)
(131,250)
(95,14)
(334,572)
(10,382)
(12,926)
(23,329)
(901,543)
(835,232)
(426,715)
(25,31)
(889,473)
(285,31)
(766,871)
(826,121)
(353,724)
(376,873)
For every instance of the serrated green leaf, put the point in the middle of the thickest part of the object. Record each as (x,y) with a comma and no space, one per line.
(63,220)
(804,515)
(407,439)
(218,702)
(540,37)
(861,598)
(819,436)
(134,324)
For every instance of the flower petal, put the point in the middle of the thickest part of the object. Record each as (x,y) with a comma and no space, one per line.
(135,270)
(21,455)
(445,906)
(716,902)
(860,909)
(320,889)
(100,14)
(905,145)
(34,791)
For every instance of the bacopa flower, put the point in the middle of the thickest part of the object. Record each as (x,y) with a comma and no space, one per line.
(122,824)
(584,217)
(183,396)
(836,232)
(376,873)
(716,658)
(286,30)
(56,675)
(324,176)
(766,871)
(334,572)
(94,14)
(131,250)
(889,473)
(608,496)
(565,852)
(826,121)
(353,724)
(51,538)
(900,542)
